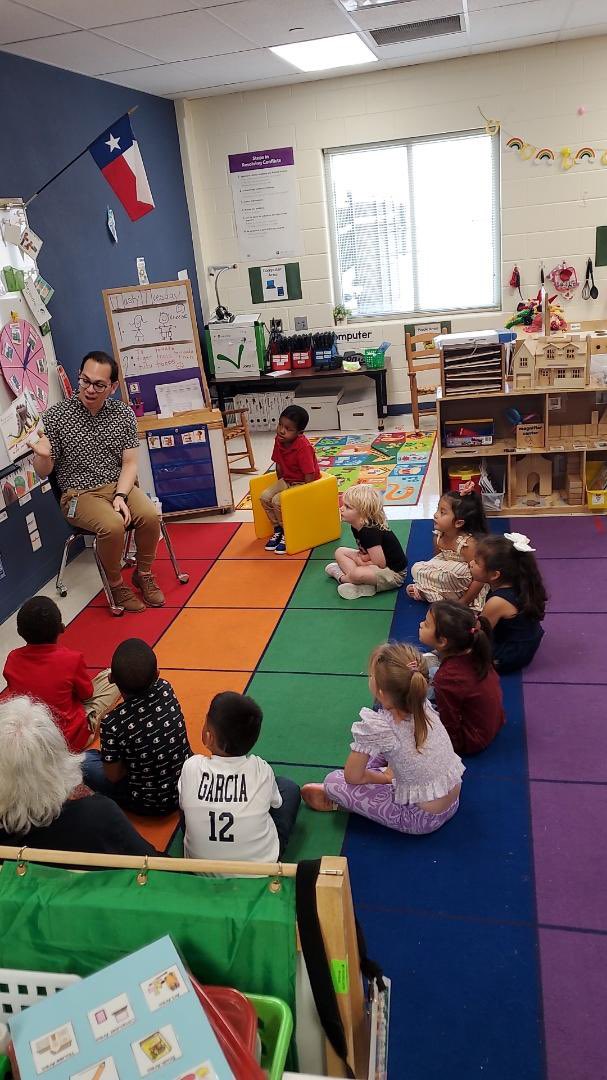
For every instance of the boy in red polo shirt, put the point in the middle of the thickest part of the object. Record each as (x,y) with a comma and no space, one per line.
(57,676)
(295,464)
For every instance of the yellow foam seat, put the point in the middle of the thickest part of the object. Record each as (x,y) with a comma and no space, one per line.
(310,512)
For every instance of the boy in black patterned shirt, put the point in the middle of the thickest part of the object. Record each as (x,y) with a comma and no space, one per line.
(144,741)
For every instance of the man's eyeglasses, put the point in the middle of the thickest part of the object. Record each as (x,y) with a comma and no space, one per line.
(86,384)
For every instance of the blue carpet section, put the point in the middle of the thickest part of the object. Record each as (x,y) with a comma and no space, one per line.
(452,916)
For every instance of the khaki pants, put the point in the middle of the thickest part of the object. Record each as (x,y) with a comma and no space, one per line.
(104,697)
(94,511)
(270,499)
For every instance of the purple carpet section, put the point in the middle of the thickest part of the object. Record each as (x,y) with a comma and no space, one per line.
(587,592)
(573,979)
(565,694)
(565,537)
(566,732)
(573,650)
(569,843)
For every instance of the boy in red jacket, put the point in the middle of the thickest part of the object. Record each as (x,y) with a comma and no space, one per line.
(296,463)
(57,676)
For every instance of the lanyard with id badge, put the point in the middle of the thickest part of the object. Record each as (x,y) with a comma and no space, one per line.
(72,506)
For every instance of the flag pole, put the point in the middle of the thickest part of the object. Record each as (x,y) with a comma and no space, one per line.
(69,164)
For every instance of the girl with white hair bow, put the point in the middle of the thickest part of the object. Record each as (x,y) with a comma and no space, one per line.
(516,602)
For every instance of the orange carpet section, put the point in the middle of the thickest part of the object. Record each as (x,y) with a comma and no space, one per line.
(157,831)
(247,582)
(218,639)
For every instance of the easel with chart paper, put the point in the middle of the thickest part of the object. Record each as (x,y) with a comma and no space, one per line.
(156,344)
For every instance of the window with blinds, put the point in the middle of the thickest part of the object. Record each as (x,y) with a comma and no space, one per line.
(415,225)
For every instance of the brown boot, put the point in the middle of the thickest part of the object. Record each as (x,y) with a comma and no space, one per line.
(152,595)
(125,598)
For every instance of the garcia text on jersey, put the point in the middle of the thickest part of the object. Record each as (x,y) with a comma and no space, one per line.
(220,788)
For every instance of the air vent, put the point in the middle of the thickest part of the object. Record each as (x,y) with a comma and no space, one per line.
(395,35)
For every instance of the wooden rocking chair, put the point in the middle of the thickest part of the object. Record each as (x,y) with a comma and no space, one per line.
(238,429)
(418,360)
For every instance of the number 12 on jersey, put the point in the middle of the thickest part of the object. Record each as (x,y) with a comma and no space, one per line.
(225,822)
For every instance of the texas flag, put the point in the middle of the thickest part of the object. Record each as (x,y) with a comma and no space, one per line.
(117,154)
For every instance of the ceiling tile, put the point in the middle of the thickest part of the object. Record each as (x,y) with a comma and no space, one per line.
(375,18)
(490,5)
(586,13)
(19,23)
(188,36)
(90,13)
(82,52)
(517,21)
(198,74)
(271,22)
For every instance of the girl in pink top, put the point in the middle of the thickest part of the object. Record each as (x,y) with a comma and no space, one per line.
(402,770)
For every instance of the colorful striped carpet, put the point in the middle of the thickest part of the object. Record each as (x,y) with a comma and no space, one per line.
(494,930)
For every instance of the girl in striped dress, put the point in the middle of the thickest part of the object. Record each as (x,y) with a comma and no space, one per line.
(459,522)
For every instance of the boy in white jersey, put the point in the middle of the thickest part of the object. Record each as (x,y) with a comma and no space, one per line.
(233,806)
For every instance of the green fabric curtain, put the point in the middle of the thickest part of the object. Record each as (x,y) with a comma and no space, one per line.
(231,931)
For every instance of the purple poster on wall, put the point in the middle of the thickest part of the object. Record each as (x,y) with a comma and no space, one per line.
(264,192)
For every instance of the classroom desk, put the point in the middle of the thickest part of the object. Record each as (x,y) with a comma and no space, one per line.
(287,379)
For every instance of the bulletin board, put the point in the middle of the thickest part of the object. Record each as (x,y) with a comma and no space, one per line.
(155,342)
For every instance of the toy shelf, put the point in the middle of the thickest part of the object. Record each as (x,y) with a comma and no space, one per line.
(549,478)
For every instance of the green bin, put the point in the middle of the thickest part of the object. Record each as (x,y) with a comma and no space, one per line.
(275,1027)
(374,358)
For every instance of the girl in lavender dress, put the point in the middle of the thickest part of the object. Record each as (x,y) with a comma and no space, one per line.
(402,770)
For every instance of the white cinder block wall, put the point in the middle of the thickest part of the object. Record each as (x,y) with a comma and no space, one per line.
(547,214)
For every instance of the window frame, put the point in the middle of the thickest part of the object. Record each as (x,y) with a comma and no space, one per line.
(417,312)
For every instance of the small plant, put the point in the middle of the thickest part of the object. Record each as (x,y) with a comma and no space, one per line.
(341,314)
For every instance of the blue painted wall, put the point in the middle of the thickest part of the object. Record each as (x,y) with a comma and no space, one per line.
(53,115)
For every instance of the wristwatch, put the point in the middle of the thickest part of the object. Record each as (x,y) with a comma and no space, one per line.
(120,495)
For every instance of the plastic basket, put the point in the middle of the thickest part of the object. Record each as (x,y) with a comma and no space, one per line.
(596,496)
(18,989)
(374,358)
(275,1027)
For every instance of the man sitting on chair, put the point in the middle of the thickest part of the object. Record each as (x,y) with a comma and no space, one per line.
(91,442)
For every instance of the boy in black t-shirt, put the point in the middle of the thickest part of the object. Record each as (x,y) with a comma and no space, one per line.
(144,741)
(378,563)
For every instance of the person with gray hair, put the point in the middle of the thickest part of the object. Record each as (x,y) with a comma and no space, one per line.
(43,802)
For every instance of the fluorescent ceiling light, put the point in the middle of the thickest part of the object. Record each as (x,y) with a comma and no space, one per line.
(358,5)
(347,50)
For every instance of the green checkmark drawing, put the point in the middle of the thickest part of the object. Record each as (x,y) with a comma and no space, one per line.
(228,360)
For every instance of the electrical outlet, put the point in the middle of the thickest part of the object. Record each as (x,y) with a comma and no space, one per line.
(301,322)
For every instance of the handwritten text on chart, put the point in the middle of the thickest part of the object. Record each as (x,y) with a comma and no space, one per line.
(138,298)
(158,359)
(153,325)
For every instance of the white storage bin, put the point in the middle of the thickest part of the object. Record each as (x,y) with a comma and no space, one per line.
(358,414)
(321,404)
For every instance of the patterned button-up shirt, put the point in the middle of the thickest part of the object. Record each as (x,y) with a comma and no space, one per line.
(88,449)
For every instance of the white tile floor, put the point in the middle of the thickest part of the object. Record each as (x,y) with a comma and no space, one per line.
(82,578)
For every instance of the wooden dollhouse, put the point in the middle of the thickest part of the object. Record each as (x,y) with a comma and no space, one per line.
(557,362)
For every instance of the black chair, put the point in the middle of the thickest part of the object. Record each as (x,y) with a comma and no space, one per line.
(127,556)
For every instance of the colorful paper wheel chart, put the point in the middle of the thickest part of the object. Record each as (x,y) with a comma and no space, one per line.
(23,361)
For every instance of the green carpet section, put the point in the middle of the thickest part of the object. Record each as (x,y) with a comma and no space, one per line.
(326,642)
(316,590)
(326,551)
(315,834)
(307,718)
